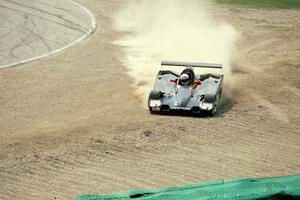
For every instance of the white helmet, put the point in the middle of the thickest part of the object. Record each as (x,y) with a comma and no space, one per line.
(184,79)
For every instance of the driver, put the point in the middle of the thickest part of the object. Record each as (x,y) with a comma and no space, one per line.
(184,79)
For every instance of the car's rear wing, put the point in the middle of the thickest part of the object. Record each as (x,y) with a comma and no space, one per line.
(191,64)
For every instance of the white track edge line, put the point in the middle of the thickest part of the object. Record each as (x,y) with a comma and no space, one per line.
(89,32)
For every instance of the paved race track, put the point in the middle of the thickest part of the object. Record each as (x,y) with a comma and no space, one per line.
(32,29)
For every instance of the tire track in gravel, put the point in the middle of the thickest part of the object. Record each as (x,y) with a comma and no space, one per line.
(273,109)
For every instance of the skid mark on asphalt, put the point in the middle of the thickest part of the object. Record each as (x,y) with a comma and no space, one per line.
(36,30)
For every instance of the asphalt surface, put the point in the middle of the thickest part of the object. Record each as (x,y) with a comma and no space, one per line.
(31,29)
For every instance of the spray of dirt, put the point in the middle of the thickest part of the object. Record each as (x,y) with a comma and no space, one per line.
(176,30)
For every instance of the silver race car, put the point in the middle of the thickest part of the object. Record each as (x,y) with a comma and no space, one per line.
(187,91)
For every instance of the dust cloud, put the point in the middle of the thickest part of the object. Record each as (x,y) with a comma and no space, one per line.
(178,30)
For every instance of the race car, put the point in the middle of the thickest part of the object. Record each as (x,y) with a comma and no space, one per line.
(186,91)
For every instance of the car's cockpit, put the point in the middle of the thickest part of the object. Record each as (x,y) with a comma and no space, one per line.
(190,72)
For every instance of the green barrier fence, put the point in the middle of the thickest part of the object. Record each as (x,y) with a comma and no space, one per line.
(287,187)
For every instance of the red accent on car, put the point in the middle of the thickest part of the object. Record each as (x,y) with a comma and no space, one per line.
(197,82)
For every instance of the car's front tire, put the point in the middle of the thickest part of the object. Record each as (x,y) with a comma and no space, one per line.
(154,95)
(215,106)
